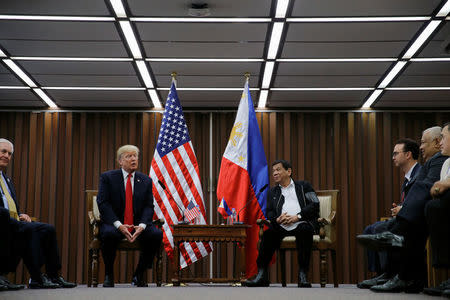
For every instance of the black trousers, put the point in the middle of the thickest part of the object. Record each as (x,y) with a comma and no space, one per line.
(149,240)
(10,245)
(271,241)
(437,212)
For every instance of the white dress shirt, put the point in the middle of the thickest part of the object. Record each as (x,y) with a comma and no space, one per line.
(291,205)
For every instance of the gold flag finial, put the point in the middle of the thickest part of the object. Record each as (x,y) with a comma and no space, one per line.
(174,75)
(247,75)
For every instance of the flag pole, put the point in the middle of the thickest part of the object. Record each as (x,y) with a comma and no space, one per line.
(174,77)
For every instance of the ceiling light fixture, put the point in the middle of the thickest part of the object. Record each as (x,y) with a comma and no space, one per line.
(358,19)
(421,39)
(47,58)
(375,94)
(445,10)
(118,8)
(282,6)
(391,75)
(205,59)
(16,69)
(2,54)
(56,18)
(88,88)
(430,59)
(145,74)
(131,39)
(45,97)
(13,87)
(420,88)
(206,89)
(155,98)
(322,89)
(336,59)
(275,40)
(268,70)
(263,98)
(202,20)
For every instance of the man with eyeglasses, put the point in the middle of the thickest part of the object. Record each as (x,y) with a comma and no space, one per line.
(409,230)
(404,156)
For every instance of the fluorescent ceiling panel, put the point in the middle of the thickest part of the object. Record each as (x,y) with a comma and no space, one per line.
(145,74)
(155,98)
(421,39)
(118,8)
(358,19)
(263,98)
(47,58)
(372,98)
(45,98)
(268,70)
(282,6)
(16,69)
(274,43)
(335,59)
(131,39)
(205,59)
(56,18)
(395,70)
(445,10)
(201,20)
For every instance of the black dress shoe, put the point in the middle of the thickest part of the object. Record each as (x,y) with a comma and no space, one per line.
(381,241)
(397,285)
(368,283)
(261,279)
(302,280)
(6,285)
(138,280)
(109,281)
(437,291)
(446,293)
(42,283)
(63,283)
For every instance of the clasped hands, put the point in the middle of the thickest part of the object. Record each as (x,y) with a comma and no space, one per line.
(439,187)
(395,209)
(131,237)
(286,219)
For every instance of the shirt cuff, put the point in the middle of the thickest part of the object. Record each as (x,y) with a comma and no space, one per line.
(117,224)
(143,225)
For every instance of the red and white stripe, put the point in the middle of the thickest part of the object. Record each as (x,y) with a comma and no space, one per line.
(179,172)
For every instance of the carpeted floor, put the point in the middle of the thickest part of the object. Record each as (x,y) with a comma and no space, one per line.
(207,291)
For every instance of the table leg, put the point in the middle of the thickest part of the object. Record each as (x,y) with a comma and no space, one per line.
(243,259)
(176,257)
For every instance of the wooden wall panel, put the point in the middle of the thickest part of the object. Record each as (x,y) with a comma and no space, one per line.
(60,155)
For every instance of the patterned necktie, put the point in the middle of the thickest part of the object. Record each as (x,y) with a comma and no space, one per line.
(405,183)
(128,220)
(11,203)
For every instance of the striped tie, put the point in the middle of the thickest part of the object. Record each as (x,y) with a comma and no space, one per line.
(11,203)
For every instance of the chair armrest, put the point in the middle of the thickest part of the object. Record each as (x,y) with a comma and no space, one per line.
(91,217)
(326,221)
(158,222)
(262,222)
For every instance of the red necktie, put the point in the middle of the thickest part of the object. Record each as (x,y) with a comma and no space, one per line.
(129,204)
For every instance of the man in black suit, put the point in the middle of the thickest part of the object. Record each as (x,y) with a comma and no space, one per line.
(34,241)
(404,156)
(125,201)
(293,210)
(409,230)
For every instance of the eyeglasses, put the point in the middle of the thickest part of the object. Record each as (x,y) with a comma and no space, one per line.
(394,154)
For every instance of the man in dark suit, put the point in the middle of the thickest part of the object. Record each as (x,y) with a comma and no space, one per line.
(293,210)
(409,230)
(404,156)
(125,201)
(34,241)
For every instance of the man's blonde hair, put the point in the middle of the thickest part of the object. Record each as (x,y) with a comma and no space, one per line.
(126,148)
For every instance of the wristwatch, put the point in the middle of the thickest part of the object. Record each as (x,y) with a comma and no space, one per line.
(299,216)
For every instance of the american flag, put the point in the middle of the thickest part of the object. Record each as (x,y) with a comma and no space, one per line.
(174,166)
(192,211)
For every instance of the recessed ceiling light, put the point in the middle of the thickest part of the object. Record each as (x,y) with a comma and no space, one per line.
(205,59)
(16,69)
(56,18)
(394,71)
(336,59)
(201,20)
(275,37)
(145,74)
(155,98)
(445,10)
(131,39)
(359,19)
(47,58)
(268,70)
(45,98)
(421,39)
(263,98)
(118,8)
(282,6)
(374,96)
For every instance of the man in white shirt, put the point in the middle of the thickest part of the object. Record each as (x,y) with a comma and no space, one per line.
(293,210)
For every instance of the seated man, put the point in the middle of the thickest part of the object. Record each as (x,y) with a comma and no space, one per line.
(404,156)
(293,210)
(125,201)
(39,239)
(408,231)
(437,212)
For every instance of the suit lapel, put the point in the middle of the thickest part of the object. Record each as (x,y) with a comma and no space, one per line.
(120,180)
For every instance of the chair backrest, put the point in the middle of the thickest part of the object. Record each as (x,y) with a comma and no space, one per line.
(328,204)
(92,206)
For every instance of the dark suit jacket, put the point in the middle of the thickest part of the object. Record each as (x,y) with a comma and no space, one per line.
(111,198)
(414,174)
(13,192)
(307,198)
(419,193)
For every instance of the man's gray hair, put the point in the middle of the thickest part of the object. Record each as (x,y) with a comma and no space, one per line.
(434,132)
(126,148)
(2,140)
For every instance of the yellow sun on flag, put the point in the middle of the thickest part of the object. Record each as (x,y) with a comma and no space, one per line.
(235,135)
(241,159)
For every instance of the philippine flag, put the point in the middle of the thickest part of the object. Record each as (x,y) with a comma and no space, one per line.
(244,178)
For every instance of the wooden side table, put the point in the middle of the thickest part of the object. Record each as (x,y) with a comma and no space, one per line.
(208,233)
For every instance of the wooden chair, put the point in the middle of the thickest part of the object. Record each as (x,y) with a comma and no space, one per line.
(124,245)
(323,242)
